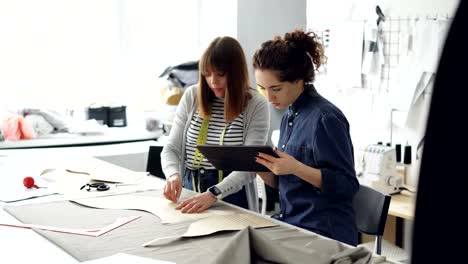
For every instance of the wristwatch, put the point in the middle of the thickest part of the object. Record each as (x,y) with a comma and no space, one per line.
(215,191)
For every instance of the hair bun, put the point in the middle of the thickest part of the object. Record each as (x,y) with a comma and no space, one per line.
(299,38)
(295,56)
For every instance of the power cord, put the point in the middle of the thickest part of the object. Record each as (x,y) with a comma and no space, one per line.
(403,188)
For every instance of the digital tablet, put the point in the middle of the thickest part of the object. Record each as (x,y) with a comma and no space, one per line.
(235,158)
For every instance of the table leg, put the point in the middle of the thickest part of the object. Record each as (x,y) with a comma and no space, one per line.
(399,232)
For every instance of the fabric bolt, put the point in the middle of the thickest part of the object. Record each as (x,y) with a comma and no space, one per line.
(39,124)
(58,121)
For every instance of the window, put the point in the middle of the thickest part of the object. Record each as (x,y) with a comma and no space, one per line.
(67,54)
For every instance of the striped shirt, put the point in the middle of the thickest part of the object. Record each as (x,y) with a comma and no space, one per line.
(233,135)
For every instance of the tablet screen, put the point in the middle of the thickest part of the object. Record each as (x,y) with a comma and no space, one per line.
(235,158)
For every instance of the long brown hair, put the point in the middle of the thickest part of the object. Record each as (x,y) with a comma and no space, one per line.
(296,56)
(224,54)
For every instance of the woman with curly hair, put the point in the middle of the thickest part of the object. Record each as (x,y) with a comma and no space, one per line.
(315,170)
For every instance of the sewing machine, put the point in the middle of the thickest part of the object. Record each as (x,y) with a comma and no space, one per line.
(376,168)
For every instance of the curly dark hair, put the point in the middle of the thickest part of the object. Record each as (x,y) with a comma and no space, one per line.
(296,56)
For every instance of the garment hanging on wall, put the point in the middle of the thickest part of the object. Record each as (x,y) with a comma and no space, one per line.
(372,55)
(419,58)
(344,55)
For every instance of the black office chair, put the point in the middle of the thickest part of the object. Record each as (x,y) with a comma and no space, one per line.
(371,208)
(154,162)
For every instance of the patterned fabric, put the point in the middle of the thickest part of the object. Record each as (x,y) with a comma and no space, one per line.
(233,135)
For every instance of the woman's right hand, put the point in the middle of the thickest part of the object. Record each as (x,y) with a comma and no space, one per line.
(173,188)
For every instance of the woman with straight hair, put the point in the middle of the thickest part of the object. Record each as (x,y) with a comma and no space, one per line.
(221,110)
(315,170)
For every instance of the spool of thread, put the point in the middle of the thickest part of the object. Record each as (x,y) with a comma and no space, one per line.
(398,152)
(407,155)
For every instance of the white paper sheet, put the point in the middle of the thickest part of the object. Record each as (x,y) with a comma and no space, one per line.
(12,173)
(160,207)
(17,193)
(345,54)
(103,171)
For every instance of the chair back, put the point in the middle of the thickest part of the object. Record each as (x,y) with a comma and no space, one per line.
(153,165)
(261,190)
(371,208)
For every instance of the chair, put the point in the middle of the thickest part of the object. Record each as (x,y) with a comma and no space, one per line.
(261,189)
(371,208)
(153,165)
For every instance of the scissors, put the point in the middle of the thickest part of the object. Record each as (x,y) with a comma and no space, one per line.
(100,186)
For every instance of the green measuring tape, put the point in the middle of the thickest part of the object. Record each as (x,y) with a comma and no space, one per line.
(201,140)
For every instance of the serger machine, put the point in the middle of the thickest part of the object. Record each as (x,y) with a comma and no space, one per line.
(376,167)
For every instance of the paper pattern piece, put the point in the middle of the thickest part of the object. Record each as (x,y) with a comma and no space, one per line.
(95,232)
(15,193)
(160,207)
(68,182)
(147,183)
(215,224)
(104,172)
(93,169)
(67,177)
(122,258)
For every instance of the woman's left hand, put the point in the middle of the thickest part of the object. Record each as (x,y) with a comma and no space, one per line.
(197,203)
(283,165)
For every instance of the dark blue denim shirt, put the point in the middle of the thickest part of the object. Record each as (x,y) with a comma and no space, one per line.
(316,133)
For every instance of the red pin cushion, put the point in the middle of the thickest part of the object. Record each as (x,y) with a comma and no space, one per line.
(28,182)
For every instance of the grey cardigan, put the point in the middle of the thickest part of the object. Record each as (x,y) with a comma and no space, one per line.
(256,126)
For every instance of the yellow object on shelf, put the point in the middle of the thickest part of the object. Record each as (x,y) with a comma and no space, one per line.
(171,95)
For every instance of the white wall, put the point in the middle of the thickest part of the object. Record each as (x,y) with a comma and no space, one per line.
(217,18)
(261,20)
(67,54)
(321,13)
(403,8)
